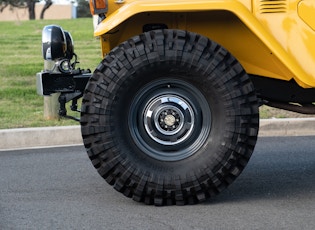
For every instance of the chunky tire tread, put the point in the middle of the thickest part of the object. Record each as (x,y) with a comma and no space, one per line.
(148,180)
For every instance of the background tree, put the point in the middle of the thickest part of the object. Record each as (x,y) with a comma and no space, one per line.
(48,3)
(29,4)
(83,9)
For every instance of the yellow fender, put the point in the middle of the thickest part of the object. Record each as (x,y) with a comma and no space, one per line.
(286,57)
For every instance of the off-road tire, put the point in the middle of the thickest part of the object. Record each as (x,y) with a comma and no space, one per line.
(169,117)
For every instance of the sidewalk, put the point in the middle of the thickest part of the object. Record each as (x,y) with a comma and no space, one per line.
(71,135)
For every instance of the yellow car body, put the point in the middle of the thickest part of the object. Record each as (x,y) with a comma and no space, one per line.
(270,38)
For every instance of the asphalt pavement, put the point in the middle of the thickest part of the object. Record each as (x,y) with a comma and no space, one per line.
(43,137)
(58,188)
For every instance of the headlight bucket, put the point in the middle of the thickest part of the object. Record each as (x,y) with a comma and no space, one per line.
(70,46)
(56,43)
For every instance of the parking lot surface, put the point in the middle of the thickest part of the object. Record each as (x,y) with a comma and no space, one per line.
(58,188)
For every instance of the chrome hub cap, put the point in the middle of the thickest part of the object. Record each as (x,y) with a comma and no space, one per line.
(168,119)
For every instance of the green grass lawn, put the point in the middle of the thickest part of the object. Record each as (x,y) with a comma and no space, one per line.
(21,58)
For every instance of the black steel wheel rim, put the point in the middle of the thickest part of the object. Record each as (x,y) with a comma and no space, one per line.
(169,120)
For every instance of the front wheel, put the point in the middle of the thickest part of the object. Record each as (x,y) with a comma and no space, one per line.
(169,117)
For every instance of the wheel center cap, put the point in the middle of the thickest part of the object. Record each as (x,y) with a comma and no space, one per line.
(169,120)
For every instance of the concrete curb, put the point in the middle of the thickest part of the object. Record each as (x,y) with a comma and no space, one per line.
(71,135)
(40,137)
(287,127)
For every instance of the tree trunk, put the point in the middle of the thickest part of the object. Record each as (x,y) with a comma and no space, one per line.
(3,6)
(46,6)
(31,9)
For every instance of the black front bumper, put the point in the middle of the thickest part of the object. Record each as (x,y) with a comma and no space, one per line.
(49,82)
